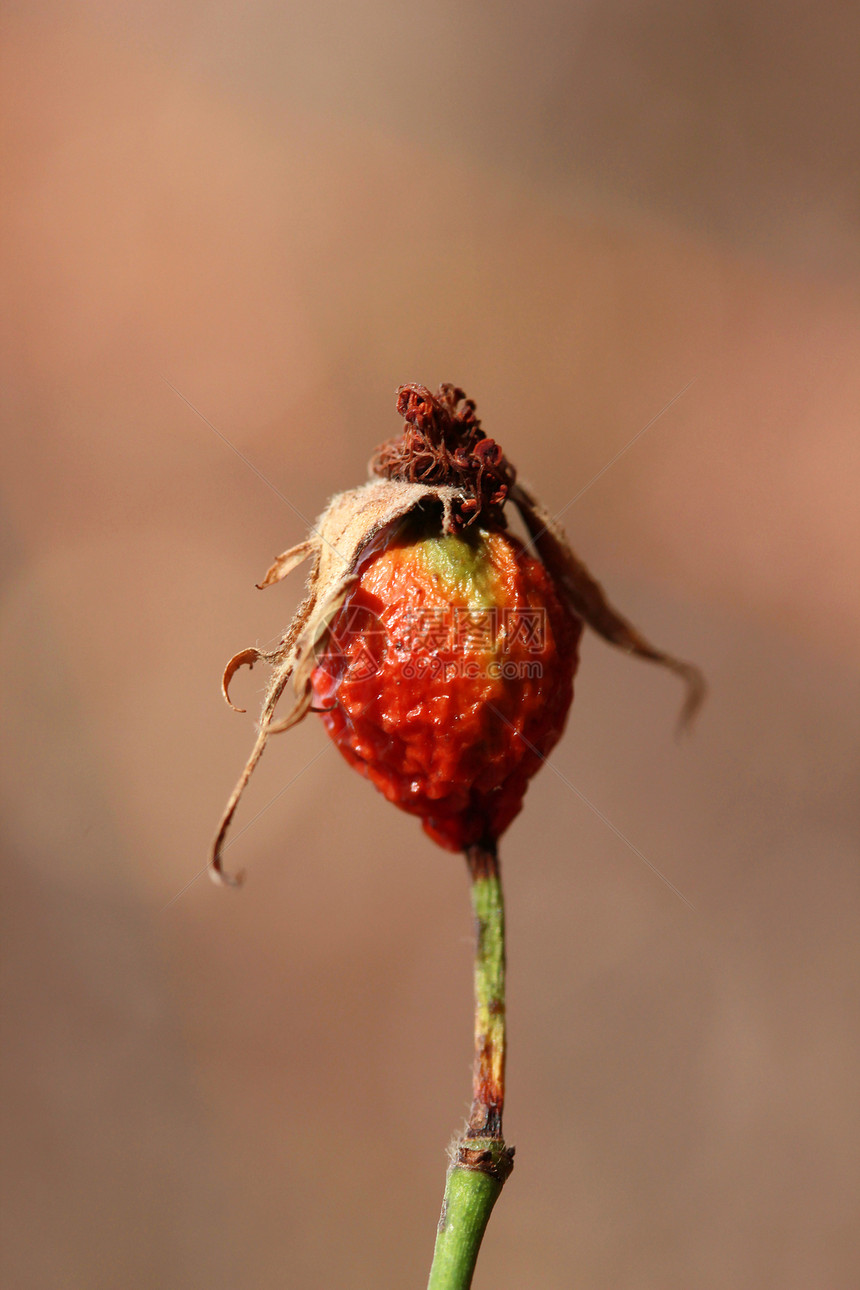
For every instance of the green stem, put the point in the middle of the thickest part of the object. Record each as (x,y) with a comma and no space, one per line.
(480,1161)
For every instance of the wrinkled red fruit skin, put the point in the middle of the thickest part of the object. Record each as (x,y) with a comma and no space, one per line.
(458,749)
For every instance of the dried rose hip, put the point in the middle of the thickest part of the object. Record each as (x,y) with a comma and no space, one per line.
(448,677)
(440,652)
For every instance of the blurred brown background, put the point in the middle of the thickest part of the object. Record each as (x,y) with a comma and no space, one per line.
(285,211)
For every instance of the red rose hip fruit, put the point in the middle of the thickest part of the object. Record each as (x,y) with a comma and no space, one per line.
(448,677)
(440,652)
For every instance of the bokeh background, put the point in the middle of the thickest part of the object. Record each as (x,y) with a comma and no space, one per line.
(284,211)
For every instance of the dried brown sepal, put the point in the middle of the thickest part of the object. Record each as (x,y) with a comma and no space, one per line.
(343,533)
(587,599)
(286,562)
(245,658)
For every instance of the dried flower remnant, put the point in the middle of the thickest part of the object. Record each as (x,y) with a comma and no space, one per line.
(440,652)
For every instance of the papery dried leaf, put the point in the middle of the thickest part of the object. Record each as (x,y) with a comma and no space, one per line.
(216,869)
(312,646)
(286,562)
(343,533)
(588,600)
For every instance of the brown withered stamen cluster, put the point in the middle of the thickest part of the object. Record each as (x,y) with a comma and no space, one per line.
(442,443)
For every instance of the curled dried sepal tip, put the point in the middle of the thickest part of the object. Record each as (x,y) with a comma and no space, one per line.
(245,658)
(286,562)
(223,879)
(442,465)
